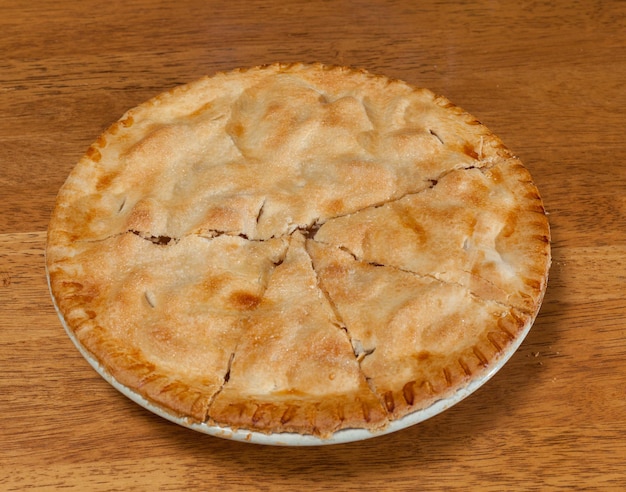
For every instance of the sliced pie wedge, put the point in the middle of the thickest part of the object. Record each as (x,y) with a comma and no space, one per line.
(480,228)
(294,368)
(165,319)
(418,338)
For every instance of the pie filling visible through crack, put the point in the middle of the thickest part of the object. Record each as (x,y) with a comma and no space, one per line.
(297,248)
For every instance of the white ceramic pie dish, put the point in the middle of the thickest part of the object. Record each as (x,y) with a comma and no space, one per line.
(288,439)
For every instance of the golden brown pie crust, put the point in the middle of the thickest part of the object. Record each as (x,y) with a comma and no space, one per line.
(297,248)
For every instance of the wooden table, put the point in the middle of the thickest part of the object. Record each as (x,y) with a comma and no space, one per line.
(548,77)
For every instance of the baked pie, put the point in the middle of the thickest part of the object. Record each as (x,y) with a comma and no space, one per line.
(297,248)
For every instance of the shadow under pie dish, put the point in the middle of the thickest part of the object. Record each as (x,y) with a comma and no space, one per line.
(298,254)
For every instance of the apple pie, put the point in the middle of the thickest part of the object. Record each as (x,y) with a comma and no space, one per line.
(297,248)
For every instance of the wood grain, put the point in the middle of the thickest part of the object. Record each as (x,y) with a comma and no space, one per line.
(548,77)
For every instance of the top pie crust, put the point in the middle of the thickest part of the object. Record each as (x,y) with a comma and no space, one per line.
(297,248)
